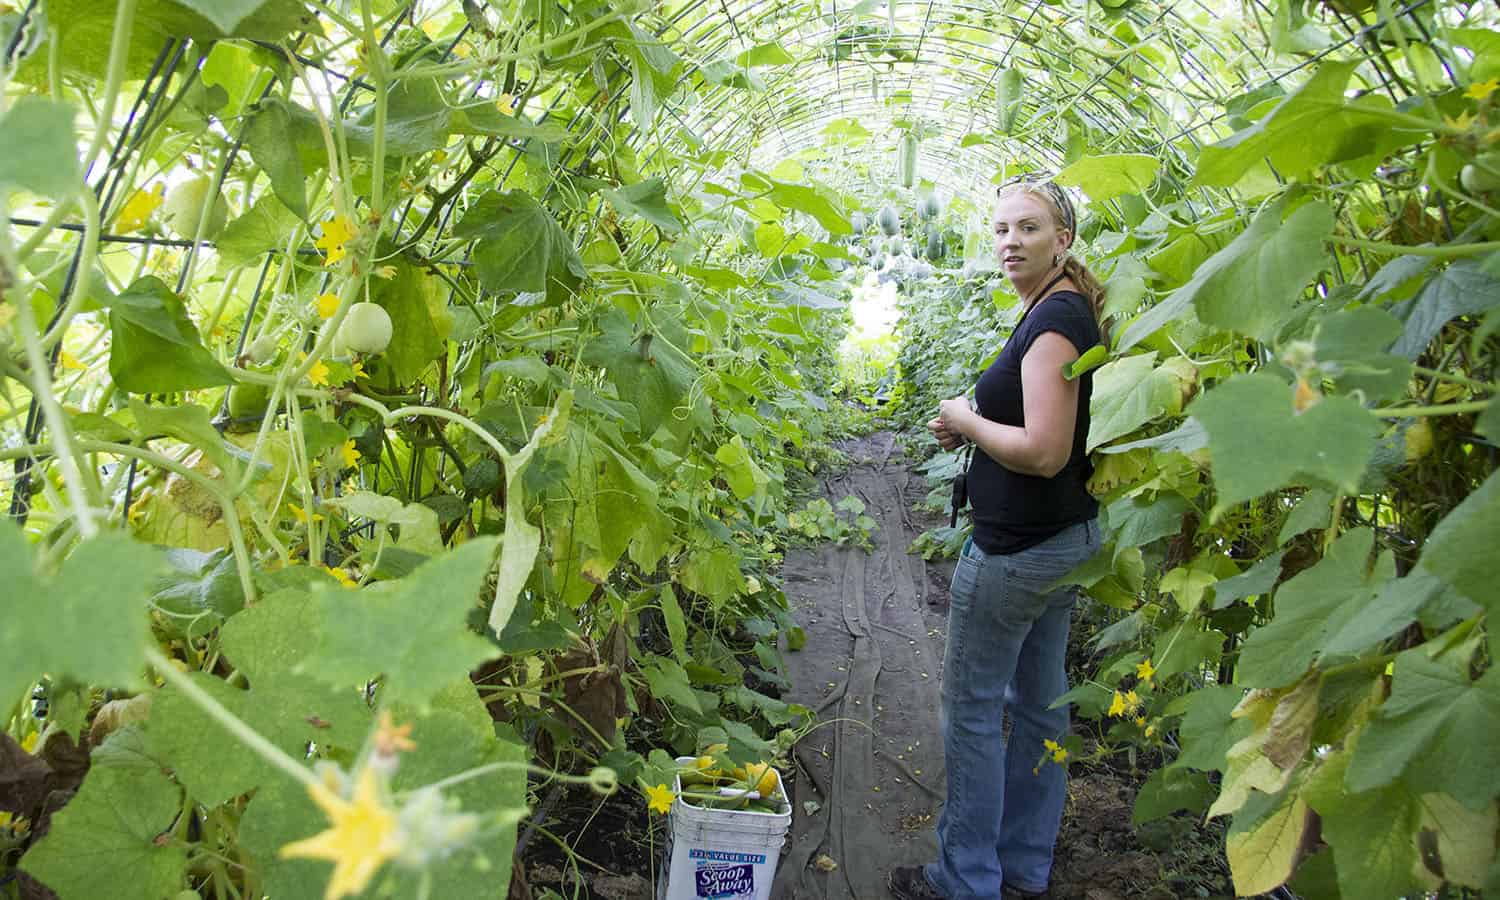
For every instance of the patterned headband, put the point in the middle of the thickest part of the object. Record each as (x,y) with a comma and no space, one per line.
(1056,194)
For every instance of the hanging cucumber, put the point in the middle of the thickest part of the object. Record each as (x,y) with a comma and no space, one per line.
(935,247)
(906,159)
(929,206)
(889,220)
(1007,99)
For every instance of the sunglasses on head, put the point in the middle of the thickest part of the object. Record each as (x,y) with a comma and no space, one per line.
(1057,194)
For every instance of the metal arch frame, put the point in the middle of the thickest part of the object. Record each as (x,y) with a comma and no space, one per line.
(1098,109)
(717,115)
(712,117)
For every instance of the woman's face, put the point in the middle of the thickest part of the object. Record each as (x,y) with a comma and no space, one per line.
(1026,237)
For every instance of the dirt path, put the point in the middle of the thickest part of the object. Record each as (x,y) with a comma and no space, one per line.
(871,668)
(876,624)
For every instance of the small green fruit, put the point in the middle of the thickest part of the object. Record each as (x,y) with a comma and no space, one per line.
(366,329)
(1478,179)
(248,400)
(263,349)
(1418,440)
(184,209)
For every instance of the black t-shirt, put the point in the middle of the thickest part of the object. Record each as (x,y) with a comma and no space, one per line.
(1013,511)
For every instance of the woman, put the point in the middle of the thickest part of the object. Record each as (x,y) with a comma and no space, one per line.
(1034,520)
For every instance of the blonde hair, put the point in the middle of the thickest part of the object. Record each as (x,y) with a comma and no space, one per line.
(1063,216)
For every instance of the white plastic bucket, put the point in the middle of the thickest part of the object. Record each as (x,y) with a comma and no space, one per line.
(722,854)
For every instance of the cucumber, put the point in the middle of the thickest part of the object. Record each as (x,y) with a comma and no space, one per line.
(184,208)
(367,328)
(935,247)
(889,221)
(859,222)
(906,160)
(246,400)
(1007,99)
(929,207)
(1480,176)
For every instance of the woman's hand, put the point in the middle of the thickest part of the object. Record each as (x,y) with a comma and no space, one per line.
(947,426)
(948,440)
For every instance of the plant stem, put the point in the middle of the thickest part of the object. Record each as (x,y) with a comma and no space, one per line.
(1442,409)
(380,73)
(40,382)
(1447,251)
(1487,386)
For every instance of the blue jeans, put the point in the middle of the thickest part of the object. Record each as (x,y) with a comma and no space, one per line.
(1007,641)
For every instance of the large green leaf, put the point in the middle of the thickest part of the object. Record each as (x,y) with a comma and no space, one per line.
(420,320)
(1461,289)
(1251,284)
(205,759)
(1260,443)
(87,621)
(1274,260)
(413,631)
(1310,609)
(654,375)
(154,346)
(188,423)
(487,118)
(205,585)
(519,247)
(1350,345)
(1209,730)
(745,478)
(1132,391)
(262,227)
(1186,648)
(1395,605)
(1137,521)
(267,643)
(713,572)
(104,843)
(647,199)
(1312,126)
(86,27)
(418,118)
(1461,549)
(1263,853)
(1370,831)
(41,152)
(810,201)
(266,138)
(1107,177)
(1438,732)
(669,681)
(1169,790)
(226,15)
(770,54)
